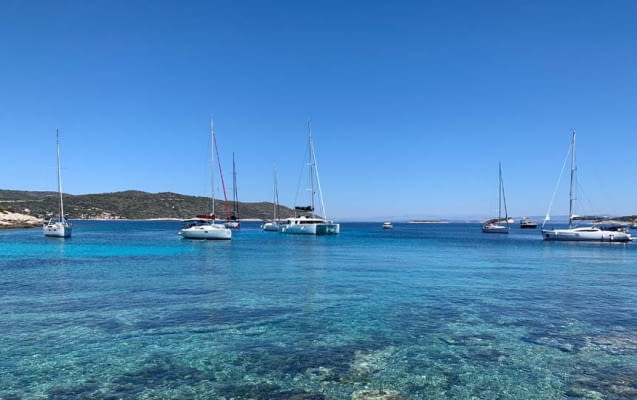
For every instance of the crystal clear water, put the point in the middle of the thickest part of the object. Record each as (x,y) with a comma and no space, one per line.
(129,310)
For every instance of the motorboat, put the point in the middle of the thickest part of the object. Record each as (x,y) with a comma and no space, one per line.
(387,225)
(527,223)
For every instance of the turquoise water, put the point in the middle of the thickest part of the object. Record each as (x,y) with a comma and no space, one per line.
(128,310)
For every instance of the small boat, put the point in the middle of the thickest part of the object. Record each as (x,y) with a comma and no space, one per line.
(203,226)
(305,221)
(58,227)
(233,222)
(273,225)
(387,225)
(527,223)
(498,225)
(599,231)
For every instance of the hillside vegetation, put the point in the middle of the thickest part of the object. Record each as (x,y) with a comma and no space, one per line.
(129,204)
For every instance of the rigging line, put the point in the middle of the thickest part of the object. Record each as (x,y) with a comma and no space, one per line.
(298,195)
(318,181)
(504,199)
(557,185)
(223,184)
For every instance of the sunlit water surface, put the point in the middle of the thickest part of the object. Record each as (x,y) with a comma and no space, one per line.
(127,310)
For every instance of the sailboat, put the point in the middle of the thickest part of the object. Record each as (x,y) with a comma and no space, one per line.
(597,232)
(60,226)
(496,225)
(273,226)
(204,226)
(305,221)
(233,222)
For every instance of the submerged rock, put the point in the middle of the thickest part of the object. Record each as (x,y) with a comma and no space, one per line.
(383,394)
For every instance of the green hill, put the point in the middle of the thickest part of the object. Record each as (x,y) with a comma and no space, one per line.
(129,204)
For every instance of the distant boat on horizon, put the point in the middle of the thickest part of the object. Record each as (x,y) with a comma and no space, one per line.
(233,222)
(58,227)
(274,224)
(388,225)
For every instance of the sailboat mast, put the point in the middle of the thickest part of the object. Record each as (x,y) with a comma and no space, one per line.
(499,192)
(504,197)
(276,198)
(235,192)
(57,140)
(212,164)
(312,165)
(314,169)
(571,192)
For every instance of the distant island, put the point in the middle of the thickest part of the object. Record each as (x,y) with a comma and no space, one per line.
(130,204)
(428,221)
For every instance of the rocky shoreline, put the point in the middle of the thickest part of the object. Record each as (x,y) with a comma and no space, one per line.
(11,220)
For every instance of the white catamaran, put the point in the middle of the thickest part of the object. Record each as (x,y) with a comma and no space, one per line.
(204,226)
(305,221)
(600,231)
(496,225)
(60,226)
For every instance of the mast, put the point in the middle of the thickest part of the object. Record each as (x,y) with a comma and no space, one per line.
(235,192)
(573,172)
(312,165)
(504,198)
(223,184)
(57,139)
(212,164)
(275,212)
(499,193)
(314,169)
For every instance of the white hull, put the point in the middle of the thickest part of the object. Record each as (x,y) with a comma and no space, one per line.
(206,232)
(58,229)
(232,225)
(387,225)
(310,226)
(495,229)
(585,234)
(270,227)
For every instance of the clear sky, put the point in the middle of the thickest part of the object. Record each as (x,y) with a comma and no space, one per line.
(413,104)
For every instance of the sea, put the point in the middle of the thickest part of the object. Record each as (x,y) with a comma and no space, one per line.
(130,310)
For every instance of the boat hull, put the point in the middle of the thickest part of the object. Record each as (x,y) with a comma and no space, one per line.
(585,235)
(270,227)
(232,225)
(206,232)
(495,229)
(58,229)
(528,226)
(312,229)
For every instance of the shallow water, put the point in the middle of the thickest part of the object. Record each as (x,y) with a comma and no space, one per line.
(128,309)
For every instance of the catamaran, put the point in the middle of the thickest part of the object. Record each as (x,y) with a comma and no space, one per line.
(204,226)
(58,227)
(305,221)
(496,225)
(600,231)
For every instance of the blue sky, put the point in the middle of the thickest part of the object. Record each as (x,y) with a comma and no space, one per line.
(413,104)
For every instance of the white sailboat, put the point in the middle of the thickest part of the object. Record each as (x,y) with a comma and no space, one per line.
(305,221)
(597,232)
(498,225)
(233,221)
(204,226)
(58,227)
(273,226)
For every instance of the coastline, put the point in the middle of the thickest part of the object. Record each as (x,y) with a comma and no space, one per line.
(11,220)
